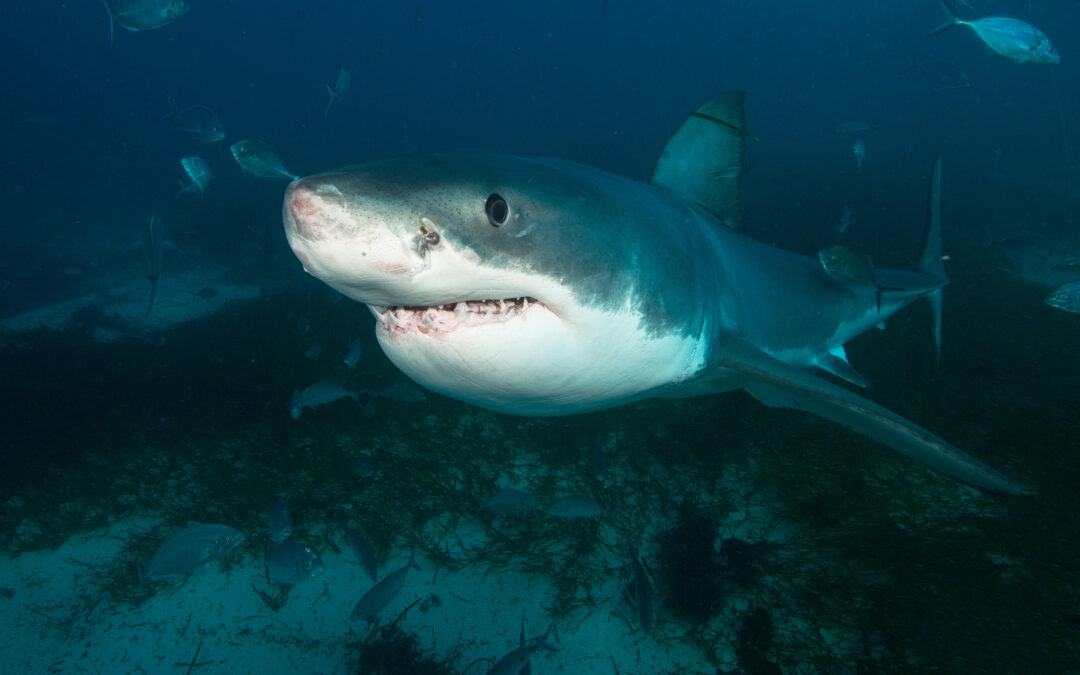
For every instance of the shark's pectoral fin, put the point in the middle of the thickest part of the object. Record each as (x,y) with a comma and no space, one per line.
(777,384)
(836,362)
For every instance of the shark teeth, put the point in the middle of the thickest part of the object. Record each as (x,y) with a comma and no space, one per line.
(448,316)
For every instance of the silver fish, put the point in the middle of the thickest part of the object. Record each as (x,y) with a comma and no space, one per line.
(940,73)
(514,662)
(1040,260)
(320,393)
(575,506)
(259,159)
(848,266)
(200,121)
(383,593)
(363,550)
(509,500)
(153,245)
(847,219)
(198,174)
(599,458)
(642,593)
(1012,38)
(342,87)
(281,524)
(1066,297)
(291,562)
(353,353)
(136,15)
(189,547)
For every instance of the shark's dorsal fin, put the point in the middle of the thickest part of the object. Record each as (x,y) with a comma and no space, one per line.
(702,161)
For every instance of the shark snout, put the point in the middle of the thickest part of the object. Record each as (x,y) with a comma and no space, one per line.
(308,210)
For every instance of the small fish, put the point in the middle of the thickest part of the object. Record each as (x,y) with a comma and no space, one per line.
(342,87)
(575,506)
(1040,260)
(1011,38)
(353,353)
(259,158)
(363,550)
(939,73)
(383,593)
(851,128)
(847,219)
(401,392)
(291,562)
(859,150)
(153,245)
(511,501)
(1066,297)
(599,458)
(136,15)
(198,174)
(642,590)
(189,547)
(200,121)
(513,662)
(314,351)
(361,465)
(320,393)
(281,524)
(850,267)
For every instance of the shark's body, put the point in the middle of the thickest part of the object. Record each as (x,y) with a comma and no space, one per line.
(543,287)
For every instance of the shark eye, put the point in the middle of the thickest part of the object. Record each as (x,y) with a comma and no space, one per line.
(497,210)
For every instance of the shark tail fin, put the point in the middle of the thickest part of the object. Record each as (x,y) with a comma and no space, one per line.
(950,19)
(930,261)
(112,20)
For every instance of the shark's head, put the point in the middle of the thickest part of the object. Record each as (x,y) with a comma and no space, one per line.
(520,285)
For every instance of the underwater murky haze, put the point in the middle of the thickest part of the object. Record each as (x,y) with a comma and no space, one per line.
(87,159)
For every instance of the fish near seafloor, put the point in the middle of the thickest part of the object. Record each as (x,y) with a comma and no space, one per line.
(315,395)
(1009,37)
(363,550)
(383,593)
(281,524)
(515,661)
(136,15)
(486,288)
(291,562)
(259,159)
(189,547)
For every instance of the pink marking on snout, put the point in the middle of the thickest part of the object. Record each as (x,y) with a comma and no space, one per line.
(302,209)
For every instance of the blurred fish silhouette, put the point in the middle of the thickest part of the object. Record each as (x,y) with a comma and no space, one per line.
(153,243)
(200,121)
(342,87)
(198,174)
(859,150)
(939,73)
(259,159)
(136,15)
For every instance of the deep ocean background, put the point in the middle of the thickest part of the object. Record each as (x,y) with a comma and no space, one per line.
(86,159)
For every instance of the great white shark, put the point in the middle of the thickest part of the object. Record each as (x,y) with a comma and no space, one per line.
(543,287)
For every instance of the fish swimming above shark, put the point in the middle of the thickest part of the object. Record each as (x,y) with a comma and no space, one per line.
(543,287)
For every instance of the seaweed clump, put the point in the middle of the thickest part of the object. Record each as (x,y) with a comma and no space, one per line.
(692,571)
(745,560)
(389,650)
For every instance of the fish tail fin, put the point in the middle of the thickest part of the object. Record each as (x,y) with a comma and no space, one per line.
(112,20)
(331,101)
(173,113)
(993,241)
(912,63)
(950,19)
(930,261)
(153,292)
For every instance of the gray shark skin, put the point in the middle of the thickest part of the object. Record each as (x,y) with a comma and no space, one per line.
(543,287)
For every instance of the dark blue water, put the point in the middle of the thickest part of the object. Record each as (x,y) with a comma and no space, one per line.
(86,158)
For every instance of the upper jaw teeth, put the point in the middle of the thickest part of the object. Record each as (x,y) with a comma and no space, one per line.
(442,318)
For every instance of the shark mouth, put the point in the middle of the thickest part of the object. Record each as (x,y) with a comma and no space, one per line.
(448,317)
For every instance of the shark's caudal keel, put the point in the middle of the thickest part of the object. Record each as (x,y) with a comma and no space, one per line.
(541,287)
